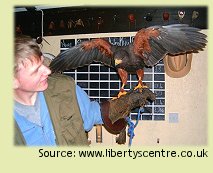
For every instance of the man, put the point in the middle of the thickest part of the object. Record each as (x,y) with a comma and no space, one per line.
(50,110)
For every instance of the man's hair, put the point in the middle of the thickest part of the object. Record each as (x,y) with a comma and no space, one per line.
(25,47)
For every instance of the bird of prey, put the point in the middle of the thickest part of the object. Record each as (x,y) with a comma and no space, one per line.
(150,45)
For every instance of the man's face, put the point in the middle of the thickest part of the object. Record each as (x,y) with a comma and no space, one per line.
(32,76)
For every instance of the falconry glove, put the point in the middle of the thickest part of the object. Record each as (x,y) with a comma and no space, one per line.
(115,111)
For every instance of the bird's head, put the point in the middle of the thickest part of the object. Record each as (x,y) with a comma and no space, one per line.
(119,56)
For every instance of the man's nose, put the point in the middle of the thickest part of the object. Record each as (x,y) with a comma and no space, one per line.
(47,71)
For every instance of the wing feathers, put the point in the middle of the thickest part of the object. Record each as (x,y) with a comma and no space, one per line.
(151,44)
(172,39)
(157,51)
(83,54)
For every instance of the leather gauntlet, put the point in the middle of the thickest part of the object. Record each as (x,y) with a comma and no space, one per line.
(115,111)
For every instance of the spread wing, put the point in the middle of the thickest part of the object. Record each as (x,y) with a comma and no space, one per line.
(98,50)
(155,42)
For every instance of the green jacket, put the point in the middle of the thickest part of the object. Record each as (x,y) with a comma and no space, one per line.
(64,112)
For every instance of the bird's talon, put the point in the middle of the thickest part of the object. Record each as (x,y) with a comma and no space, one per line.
(140,87)
(140,90)
(121,93)
(114,98)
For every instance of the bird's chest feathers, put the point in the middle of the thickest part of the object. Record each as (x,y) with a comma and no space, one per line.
(127,60)
(130,66)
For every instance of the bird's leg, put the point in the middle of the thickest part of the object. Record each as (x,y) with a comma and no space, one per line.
(122,91)
(123,75)
(140,85)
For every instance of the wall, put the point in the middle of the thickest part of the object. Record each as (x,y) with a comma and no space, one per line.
(113,19)
(187,96)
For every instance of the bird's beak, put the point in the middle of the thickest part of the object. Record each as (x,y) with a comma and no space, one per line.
(118,61)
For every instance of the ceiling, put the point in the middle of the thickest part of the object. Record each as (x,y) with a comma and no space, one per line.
(37,8)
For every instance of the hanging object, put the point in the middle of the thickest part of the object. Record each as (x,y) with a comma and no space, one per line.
(79,23)
(90,24)
(51,28)
(62,27)
(165,16)
(131,18)
(18,30)
(178,66)
(115,22)
(115,19)
(62,24)
(70,24)
(100,23)
(148,17)
(40,39)
(132,21)
(195,15)
(79,26)
(181,15)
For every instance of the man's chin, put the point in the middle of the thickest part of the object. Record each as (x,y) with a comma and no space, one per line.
(43,86)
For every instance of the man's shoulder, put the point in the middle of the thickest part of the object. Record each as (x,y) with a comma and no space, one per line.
(60,82)
(61,77)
